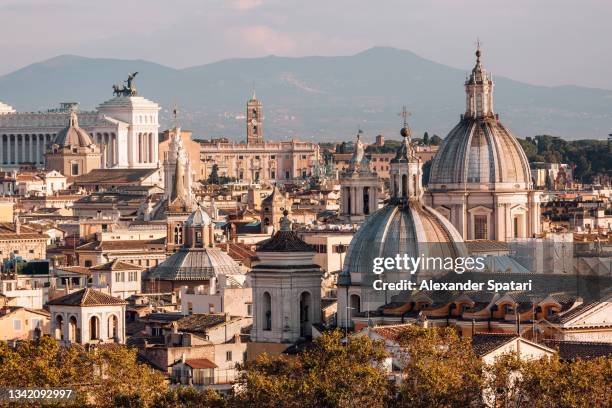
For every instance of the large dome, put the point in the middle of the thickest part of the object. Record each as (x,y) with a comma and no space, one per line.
(400,228)
(480,153)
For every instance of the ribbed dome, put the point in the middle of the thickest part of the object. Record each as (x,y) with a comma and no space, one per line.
(480,153)
(73,135)
(196,264)
(401,228)
(198,218)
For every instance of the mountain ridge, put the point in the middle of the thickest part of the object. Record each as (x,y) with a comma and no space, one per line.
(312,98)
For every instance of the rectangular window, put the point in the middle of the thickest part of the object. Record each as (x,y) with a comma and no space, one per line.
(287,174)
(249,309)
(16,324)
(272,157)
(133,276)
(75,169)
(481,227)
(228,356)
(272,174)
(119,276)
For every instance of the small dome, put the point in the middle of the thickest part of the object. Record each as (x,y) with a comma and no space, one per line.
(198,218)
(482,153)
(73,135)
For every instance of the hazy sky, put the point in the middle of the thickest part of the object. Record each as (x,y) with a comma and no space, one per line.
(546,42)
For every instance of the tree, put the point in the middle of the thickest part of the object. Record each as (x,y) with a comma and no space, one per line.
(328,374)
(213,177)
(102,376)
(426,138)
(441,369)
(435,140)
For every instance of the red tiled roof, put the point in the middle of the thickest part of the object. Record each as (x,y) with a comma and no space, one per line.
(390,332)
(87,297)
(116,265)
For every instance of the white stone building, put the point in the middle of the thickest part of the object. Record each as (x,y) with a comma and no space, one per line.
(124,127)
(117,278)
(88,317)
(286,288)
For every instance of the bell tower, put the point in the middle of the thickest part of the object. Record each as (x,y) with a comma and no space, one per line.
(406,170)
(254,120)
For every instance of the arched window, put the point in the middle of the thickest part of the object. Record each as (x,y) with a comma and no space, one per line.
(267,311)
(59,327)
(72,330)
(113,327)
(94,328)
(198,237)
(305,310)
(178,234)
(405,186)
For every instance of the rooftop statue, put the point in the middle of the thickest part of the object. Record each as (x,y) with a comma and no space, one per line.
(126,90)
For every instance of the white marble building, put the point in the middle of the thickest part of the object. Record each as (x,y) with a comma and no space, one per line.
(125,127)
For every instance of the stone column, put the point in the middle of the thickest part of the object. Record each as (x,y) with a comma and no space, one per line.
(30,153)
(15,150)
(1,150)
(359,203)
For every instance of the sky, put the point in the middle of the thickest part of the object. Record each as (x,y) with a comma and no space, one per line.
(543,42)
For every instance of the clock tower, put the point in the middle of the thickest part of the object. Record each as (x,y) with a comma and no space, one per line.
(254,121)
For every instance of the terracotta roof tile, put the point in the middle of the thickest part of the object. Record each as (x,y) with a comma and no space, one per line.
(87,297)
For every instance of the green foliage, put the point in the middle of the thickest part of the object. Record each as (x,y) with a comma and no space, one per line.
(99,376)
(425,138)
(435,140)
(390,146)
(591,158)
(441,369)
(329,374)
(215,179)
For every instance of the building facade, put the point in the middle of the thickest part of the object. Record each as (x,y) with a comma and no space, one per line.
(125,128)
(259,160)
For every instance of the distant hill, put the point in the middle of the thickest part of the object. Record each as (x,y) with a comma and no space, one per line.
(313,98)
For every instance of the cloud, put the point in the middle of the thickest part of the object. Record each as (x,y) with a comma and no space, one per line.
(267,40)
(245,4)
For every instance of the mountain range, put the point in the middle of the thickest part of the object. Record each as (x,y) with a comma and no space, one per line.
(312,98)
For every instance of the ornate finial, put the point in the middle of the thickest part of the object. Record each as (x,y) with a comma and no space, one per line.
(405,132)
(478,52)
(285,224)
